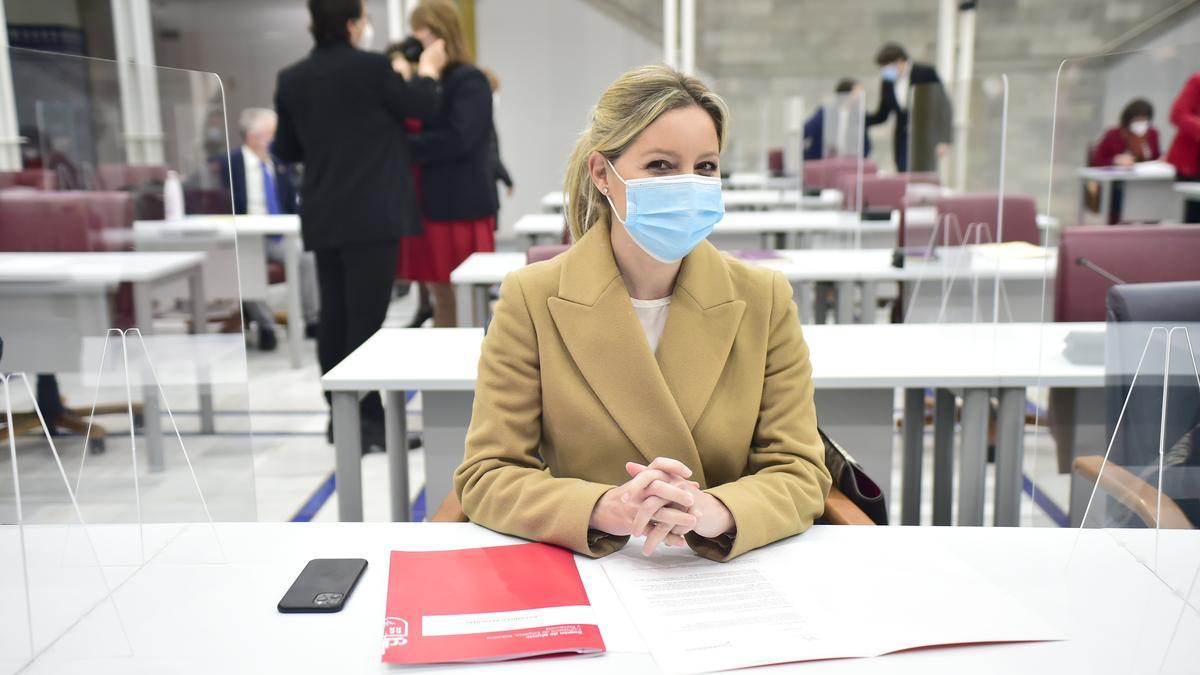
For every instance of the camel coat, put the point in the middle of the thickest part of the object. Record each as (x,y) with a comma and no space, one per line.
(568,392)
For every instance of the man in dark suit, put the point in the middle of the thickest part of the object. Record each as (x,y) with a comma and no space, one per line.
(908,89)
(341,112)
(847,105)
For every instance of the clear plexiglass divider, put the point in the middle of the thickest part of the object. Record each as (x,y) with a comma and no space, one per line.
(1113,449)
(125,412)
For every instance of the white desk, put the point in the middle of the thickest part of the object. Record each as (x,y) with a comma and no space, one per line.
(851,269)
(735,200)
(856,369)
(247,263)
(51,302)
(1189,191)
(181,616)
(442,364)
(1148,192)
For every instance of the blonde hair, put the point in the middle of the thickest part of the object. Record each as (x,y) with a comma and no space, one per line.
(442,18)
(627,107)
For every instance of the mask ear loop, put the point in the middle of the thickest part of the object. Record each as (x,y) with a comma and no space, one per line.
(605,192)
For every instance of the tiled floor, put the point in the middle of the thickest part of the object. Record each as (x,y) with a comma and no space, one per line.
(272,473)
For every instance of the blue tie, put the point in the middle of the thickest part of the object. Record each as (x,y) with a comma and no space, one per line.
(269,193)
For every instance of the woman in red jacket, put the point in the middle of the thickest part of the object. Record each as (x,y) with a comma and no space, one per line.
(1185,149)
(1125,145)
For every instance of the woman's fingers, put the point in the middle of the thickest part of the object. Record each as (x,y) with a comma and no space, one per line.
(674,518)
(671,493)
(672,466)
(645,513)
(656,537)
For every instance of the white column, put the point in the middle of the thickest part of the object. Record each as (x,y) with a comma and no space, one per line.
(962,92)
(397,18)
(687,36)
(671,33)
(10,138)
(137,79)
(947,22)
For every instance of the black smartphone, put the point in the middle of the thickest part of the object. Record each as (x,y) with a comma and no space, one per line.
(323,585)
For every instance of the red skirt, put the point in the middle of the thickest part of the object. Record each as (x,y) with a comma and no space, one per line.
(431,257)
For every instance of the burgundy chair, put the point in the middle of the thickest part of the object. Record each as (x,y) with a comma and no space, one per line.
(543,252)
(64,221)
(1132,253)
(1020,217)
(827,173)
(42,179)
(877,191)
(120,176)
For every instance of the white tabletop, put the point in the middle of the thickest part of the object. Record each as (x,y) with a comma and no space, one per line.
(280,224)
(1188,189)
(802,265)
(194,608)
(106,268)
(1142,171)
(444,359)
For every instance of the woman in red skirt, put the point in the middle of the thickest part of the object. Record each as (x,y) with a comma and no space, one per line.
(456,185)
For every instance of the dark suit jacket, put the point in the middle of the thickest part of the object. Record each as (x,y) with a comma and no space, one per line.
(814,136)
(937,124)
(341,112)
(458,181)
(235,167)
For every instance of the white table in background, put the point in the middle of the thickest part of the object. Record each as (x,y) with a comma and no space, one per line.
(1189,190)
(748,180)
(1148,192)
(180,614)
(51,302)
(218,232)
(857,273)
(442,364)
(755,199)
(856,369)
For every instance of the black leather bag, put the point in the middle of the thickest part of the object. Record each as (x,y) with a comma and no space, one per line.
(849,477)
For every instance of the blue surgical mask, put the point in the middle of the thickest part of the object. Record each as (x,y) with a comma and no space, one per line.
(668,216)
(890,72)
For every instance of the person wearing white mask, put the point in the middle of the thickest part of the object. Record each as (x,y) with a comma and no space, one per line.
(901,77)
(1133,141)
(643,383)
(341,113)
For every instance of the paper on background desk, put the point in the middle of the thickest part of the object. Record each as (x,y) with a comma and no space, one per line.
(819,600)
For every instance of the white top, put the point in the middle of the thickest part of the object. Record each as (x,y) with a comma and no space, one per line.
(652,314)
(256,201)
(902,87)
(213,609)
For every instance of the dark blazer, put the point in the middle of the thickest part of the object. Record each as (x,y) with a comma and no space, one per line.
(341,112)
(940,116)
(814,136)
(234,166)
(454,149)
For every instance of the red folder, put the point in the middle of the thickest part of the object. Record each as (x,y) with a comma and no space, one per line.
(486,604)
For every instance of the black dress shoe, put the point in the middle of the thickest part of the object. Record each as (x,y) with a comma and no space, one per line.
(421,317)
(266,339)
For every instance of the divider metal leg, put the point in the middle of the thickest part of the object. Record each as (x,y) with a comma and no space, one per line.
(974,456)
(1010,452)
(914,453)
(943,457)
(446,415)
(396,431)
(347,443)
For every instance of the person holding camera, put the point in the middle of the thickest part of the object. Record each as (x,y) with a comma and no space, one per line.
(456,182)
(341,112)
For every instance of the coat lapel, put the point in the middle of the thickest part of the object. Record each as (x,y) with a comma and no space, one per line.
(701,326)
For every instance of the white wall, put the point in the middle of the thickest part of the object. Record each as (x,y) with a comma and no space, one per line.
(554,59)
(1156,72)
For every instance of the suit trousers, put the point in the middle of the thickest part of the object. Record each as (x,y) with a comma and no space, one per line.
(355,283)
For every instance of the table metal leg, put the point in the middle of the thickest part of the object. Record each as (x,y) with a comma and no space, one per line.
(291,270)
(396,432)
(464,306)
(974,456)
(804,301)
(208,418)
(446,415)
(943,457)
(1010,452)
(914,452)
(869,302)
(845,301)
(143,319)
(347,443)
(479,304)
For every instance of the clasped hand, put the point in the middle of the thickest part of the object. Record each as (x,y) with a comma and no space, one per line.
(662,504)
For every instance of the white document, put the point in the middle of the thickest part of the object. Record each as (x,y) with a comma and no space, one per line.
(810,601)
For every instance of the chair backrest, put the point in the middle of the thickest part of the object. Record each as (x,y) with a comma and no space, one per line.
(42,179)
(877,191)
(827,173)
(120,176)
(1132,253)
(1020,216)
(543,252)
(63,221)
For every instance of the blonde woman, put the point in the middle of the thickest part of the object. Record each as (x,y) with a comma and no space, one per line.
(642,383)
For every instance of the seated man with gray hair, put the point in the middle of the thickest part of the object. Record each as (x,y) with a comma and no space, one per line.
(262,185)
